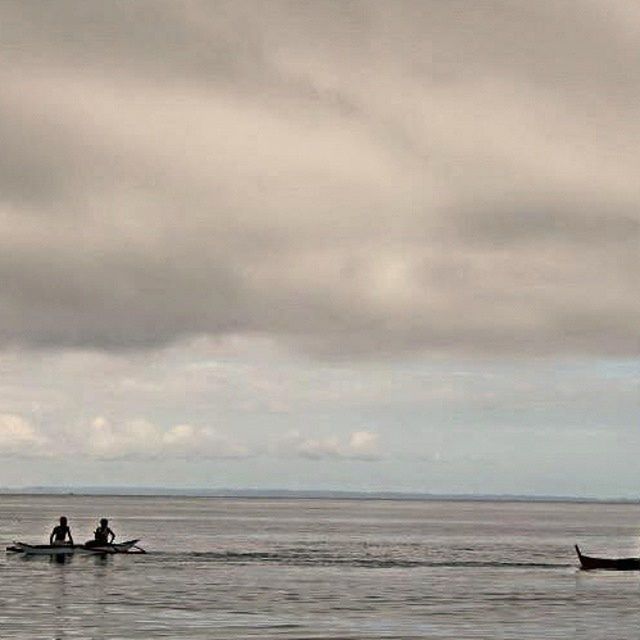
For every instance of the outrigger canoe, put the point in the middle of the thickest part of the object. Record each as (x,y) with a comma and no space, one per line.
(130,546)
(589,563)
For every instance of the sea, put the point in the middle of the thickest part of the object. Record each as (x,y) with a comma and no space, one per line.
(284,568)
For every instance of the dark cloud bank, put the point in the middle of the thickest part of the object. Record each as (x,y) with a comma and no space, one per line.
(361,178)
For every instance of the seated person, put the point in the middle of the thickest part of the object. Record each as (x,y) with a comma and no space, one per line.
(60,533)
(103,534)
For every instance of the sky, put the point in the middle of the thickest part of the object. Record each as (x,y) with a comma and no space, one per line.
(379,246)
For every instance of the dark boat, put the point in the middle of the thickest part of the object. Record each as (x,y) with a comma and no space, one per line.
(617,564)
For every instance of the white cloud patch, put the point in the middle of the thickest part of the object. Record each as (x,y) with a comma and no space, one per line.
(18,437)
(130,439)
(201,442)
(104,440)
(142,439)
(358,445)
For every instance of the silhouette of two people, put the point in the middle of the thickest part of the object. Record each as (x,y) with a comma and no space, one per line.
(61,534)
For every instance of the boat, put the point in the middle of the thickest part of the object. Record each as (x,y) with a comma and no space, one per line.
(588,563)
(129,546)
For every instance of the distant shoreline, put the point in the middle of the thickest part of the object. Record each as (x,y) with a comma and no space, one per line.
(274,494)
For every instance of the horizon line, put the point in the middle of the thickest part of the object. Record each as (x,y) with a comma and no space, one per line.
(372,494)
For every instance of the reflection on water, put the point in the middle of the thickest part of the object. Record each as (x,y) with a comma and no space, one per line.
(100,575)
(321,569)
(60,599)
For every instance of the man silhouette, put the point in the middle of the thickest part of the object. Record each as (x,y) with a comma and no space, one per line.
(60,533)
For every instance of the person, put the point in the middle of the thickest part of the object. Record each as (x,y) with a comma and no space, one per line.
(60,533)
(103,534)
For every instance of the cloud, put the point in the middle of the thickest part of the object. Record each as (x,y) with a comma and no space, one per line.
(141,439)
(359,445)
(358,180)
(202,442)
(131,439)
(363,444)
(103,440)
(20,438)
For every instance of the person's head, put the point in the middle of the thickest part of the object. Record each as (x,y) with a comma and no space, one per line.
(104,522)
(63,521)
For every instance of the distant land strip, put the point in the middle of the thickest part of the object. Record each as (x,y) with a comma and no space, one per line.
(293,494)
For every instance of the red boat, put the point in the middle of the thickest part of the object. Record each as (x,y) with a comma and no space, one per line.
(589,563)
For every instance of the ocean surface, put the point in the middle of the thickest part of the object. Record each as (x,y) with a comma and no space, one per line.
(315,568)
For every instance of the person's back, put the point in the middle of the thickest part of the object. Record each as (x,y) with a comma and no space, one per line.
(60,533)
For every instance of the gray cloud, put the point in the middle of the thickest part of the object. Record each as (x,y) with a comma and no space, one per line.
(349,178)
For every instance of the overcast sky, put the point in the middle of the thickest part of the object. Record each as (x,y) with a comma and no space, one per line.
(345,245)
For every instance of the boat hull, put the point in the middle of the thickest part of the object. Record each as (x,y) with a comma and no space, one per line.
(590,563)
(64,550)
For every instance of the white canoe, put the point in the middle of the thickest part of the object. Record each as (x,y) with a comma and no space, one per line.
(67,549)
(130,546)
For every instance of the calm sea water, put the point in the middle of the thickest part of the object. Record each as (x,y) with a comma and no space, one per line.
(260,568)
